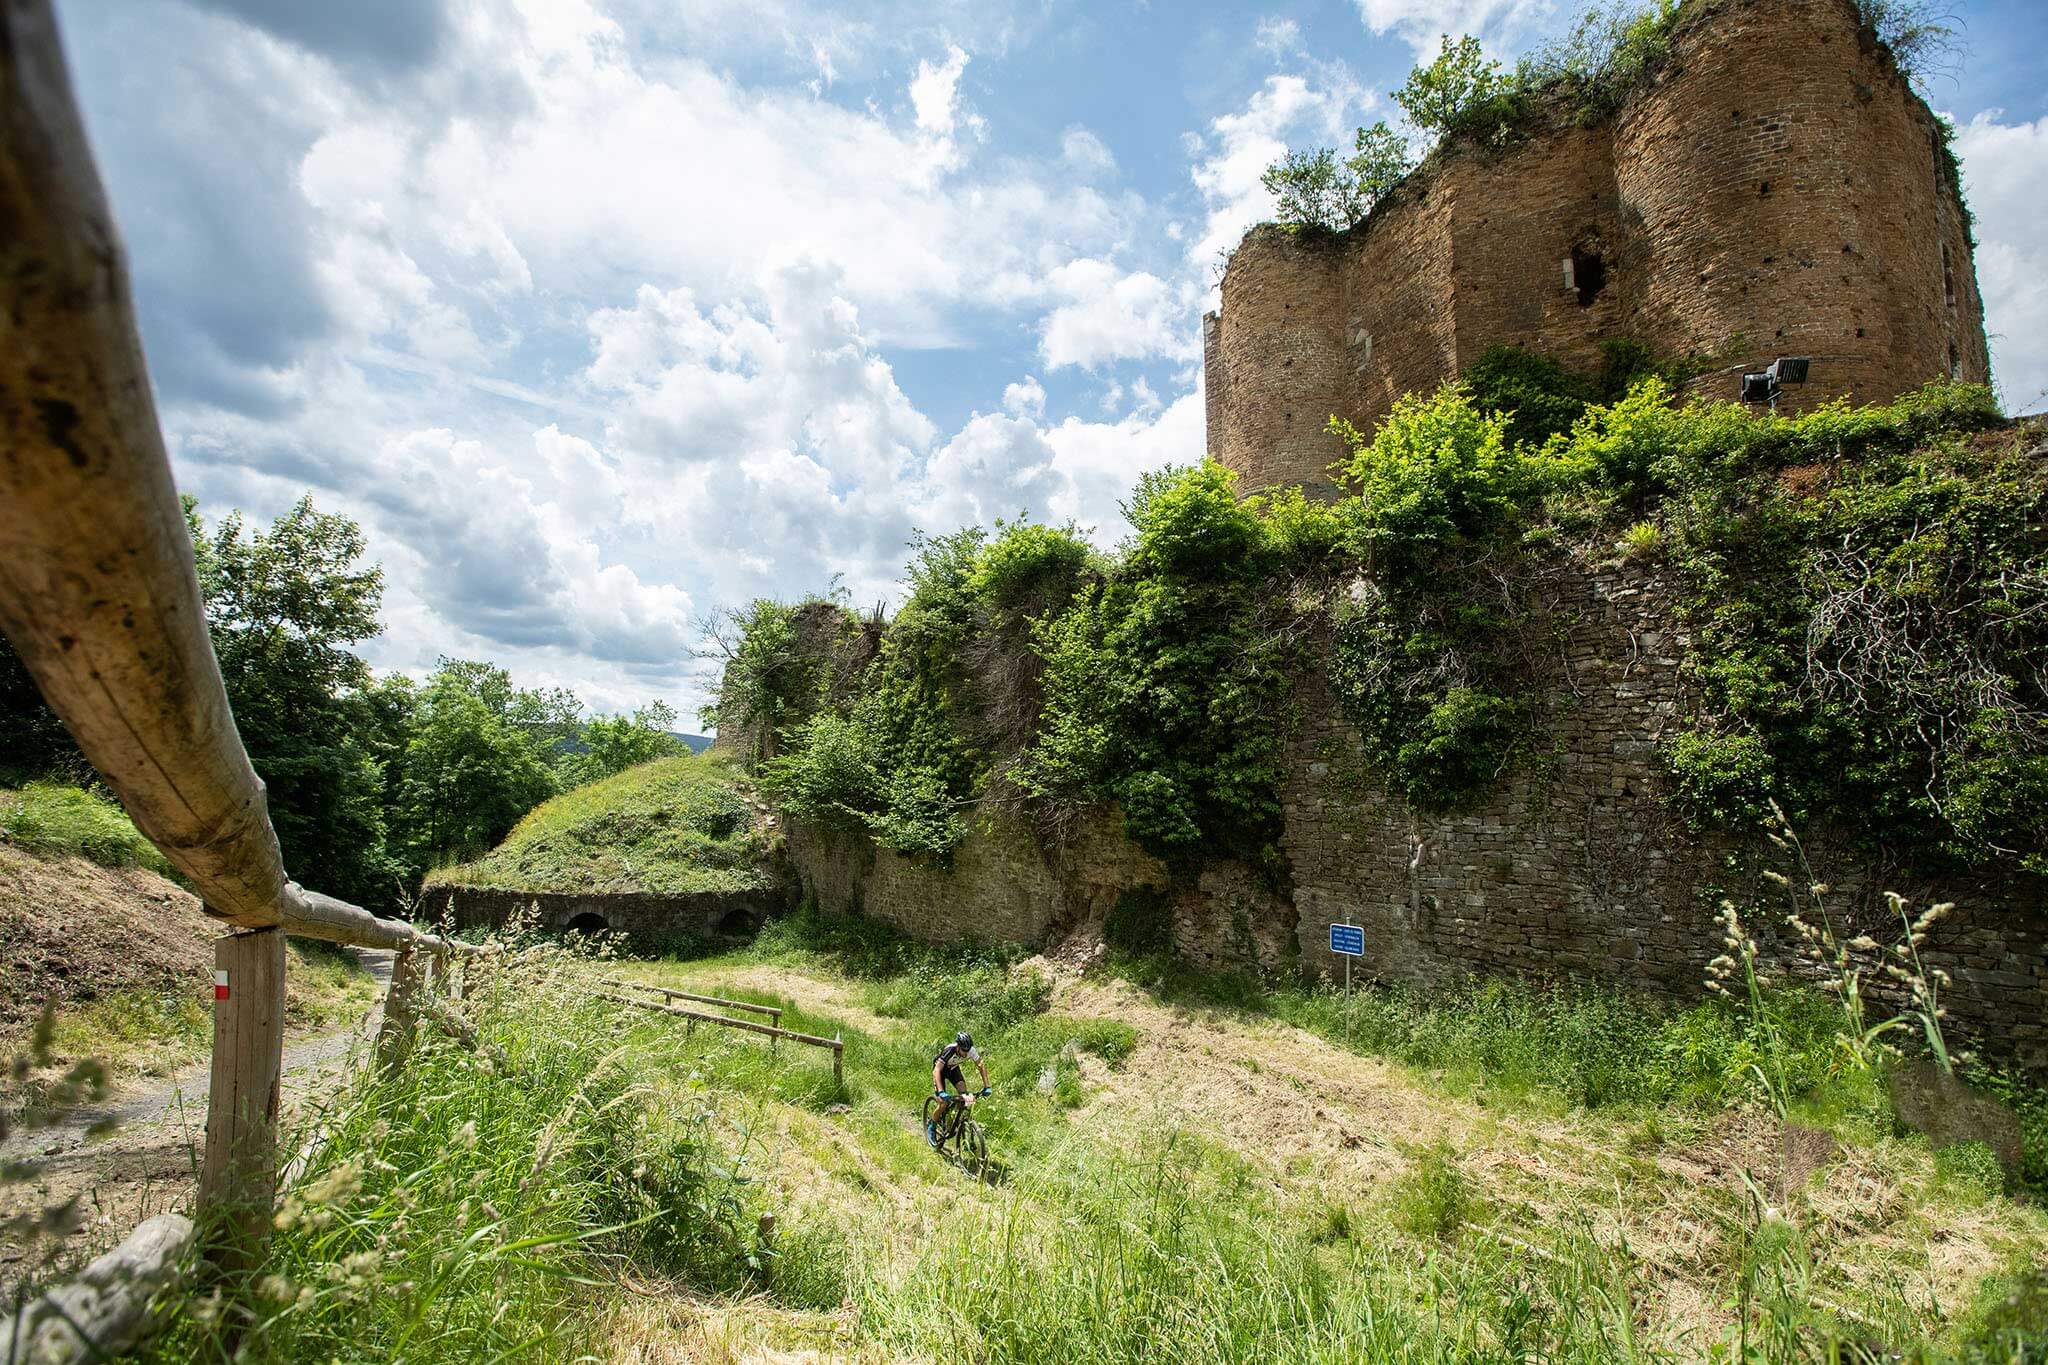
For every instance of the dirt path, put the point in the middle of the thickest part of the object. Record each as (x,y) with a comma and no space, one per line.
(149,1162)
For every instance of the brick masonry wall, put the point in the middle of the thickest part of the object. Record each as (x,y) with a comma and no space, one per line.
(1776,189)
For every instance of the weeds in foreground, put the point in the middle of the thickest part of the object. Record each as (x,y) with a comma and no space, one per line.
(450,1211)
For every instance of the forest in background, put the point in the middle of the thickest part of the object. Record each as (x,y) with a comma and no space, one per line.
(373,780)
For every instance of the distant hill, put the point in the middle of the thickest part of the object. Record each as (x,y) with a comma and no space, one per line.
(698,743)
(676,826)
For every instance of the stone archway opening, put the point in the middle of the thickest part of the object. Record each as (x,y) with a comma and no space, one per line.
(737,924)
(587,923)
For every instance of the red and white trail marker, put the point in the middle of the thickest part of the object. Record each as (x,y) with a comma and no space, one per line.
(220,985)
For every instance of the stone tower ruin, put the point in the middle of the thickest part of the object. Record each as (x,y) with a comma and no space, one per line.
(1775,188)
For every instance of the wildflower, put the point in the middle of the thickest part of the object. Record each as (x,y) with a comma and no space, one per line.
(1776,878)
(1863,943)
(465,1136)
(278,1288)
(1820,888)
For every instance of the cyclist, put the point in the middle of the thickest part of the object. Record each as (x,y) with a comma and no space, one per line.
(946,1068)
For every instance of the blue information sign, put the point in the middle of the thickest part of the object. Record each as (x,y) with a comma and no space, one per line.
(1348,939)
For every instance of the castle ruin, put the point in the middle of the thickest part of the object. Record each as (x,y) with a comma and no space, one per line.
(1774,188)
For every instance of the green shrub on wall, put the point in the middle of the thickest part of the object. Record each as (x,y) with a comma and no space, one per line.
(1863,589)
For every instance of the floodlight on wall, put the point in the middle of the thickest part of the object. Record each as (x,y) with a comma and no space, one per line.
(1763,386)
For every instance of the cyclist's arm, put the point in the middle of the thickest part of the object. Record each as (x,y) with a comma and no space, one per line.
(984,1070)
(939,1076)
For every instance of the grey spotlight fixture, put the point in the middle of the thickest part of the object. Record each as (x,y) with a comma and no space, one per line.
(1764,386)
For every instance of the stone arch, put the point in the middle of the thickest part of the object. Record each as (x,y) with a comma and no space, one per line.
(588,922)
(736,924)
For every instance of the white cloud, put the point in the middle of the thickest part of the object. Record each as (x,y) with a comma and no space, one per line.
(1503,24)
(1086,153)
(1229,159)
(1108,314)
(1025,398)
(1277,37)
(2005,176)
(935,93)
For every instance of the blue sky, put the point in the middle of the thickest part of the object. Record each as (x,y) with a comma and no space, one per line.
(603,314)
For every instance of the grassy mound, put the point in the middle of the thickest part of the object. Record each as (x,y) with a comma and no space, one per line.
(676,825)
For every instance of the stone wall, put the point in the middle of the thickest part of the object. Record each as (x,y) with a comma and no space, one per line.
(650,921)
(1776,188)
(1577,866)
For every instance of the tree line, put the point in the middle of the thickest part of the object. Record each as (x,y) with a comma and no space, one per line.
(372,780)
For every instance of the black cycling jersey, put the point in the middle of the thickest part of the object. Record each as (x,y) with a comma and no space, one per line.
(949,1063)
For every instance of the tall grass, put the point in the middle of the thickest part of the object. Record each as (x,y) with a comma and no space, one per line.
(1166,1248)
(53,819)
(452,1212)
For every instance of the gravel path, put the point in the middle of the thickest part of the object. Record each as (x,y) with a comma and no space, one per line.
(150,1160)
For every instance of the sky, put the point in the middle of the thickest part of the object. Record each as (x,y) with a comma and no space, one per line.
(601,316)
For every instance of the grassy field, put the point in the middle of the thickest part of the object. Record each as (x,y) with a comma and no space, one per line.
(54,819)
(1182,1174)
(676,825)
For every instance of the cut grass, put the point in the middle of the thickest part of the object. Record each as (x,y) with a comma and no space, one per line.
(676,825)
(456,1214)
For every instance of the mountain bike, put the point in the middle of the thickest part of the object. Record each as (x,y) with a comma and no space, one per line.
(947,1125)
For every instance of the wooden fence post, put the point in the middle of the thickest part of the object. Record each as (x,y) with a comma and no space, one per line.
(401,1009)
(238,1183)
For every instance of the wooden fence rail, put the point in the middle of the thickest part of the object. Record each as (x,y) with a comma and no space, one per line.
(838,1046)
(104,1313)
(773,1012)
(100,597)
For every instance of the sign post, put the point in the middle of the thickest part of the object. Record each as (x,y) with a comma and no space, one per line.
(1347,941)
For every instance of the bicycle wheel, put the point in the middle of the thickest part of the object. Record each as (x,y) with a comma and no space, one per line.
(973,1147)
(934,1124)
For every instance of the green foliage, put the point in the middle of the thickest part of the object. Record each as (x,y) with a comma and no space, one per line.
(1462,92)
(676,825)
(895,763)
(33,742)
(1026,569)
(1874,626)
(1609,51)
(1429,1198)
(612,744)
(1722,779)
(51,820)
(1316,190)
(1920,33)
(1164,687)
(284,605)
(478,758)
(1437,471)
(449,1212)
(1970,1172)
(771,681)
(1536,395)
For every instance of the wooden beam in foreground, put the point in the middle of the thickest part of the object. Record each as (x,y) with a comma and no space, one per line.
(97,587)
(98,592)
(104,1313)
